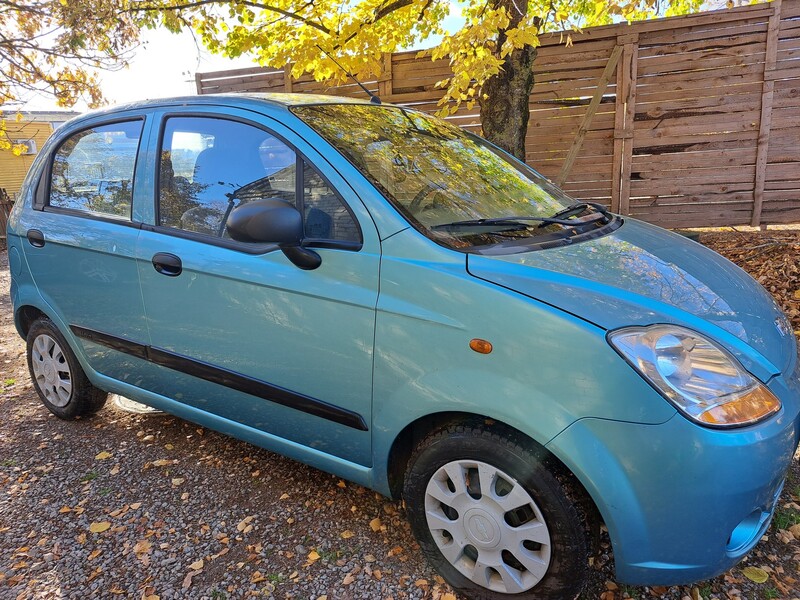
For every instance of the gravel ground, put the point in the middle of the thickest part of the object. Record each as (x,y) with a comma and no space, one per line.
(148,506)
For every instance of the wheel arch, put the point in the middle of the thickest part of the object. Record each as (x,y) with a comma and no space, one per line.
(25,316)
(404,443)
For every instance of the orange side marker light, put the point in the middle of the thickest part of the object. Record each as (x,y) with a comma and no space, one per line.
(480,346)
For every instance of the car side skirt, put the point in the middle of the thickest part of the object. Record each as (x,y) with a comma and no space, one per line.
(226,378)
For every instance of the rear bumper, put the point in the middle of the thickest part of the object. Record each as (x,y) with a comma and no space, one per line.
(681,502)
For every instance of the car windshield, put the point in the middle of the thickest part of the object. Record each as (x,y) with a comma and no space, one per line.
(446,181)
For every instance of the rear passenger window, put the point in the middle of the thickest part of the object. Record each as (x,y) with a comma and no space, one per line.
(93,170)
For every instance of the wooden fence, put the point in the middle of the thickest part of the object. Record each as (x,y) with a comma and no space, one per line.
(685,121)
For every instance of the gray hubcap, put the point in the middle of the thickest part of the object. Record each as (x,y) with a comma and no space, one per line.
(51,370)
(487,526)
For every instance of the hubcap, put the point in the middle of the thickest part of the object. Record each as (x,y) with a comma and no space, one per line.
(51,370)
(487,526)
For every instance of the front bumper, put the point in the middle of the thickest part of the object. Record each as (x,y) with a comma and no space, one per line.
(681,502)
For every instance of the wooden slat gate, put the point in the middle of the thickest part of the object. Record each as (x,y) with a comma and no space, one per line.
(685,121)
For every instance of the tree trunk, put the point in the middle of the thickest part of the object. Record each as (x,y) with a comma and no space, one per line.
(505,113)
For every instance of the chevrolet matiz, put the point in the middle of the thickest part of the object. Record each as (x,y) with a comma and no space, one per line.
(382,295)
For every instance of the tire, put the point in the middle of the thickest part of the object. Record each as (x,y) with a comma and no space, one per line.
(57,375)
(523,539)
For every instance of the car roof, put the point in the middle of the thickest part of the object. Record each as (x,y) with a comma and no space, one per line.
(283,100)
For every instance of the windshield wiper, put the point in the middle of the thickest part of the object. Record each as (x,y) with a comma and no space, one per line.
(578,207)
(562,217)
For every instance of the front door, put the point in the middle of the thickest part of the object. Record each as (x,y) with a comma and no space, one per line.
(239,331)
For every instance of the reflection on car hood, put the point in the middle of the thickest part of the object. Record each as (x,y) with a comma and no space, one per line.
(642,274)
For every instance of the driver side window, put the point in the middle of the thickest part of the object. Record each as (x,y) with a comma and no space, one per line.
(210,166)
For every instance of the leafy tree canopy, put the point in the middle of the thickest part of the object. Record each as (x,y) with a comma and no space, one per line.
(56,46)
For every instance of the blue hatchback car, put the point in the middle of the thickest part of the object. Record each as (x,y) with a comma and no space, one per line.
(392,299)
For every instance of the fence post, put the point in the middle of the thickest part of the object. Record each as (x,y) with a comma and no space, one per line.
(623,124)
(385,78)
(762,150)
(287,78)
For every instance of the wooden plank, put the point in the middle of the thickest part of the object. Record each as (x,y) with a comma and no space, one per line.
(590,112)
(699,61)
(762,148)
(687,48)
(238,72)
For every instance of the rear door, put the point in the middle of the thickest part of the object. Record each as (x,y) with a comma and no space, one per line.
(81,244)
(237,330)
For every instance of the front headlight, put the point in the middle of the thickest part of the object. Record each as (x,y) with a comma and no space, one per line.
(701,379)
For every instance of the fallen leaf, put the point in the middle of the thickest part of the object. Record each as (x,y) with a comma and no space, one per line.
(284,496)
(114,470)
(755,574)
(197,565)
(136,505)
(313,556)
(421,583)
(375,524)
(176,481)
(169,446)
(95,554)
(162,462)
(346,534)
(103,455)
(99,527)
(187,581)
(348,579)
(64,509)
(342,483)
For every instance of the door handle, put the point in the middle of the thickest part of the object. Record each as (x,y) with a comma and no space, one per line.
(36,238)
(167,264)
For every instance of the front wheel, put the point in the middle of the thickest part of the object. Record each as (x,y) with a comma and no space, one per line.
(57,375)
(492,519)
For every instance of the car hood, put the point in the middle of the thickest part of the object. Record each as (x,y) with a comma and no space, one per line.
(642,274)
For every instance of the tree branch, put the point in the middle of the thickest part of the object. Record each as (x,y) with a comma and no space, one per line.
(269,7)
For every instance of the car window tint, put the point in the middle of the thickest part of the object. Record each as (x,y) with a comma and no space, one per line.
(210,166)
(326,217)
(93,170)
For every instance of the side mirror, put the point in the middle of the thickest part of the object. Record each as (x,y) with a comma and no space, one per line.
(274,221)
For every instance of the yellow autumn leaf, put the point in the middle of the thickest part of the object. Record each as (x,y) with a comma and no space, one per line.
(375,524)
(755,574)
(346,534)
(197,565)
(99,527)
(64,509)
(103,455)
(313,556)
(161,462)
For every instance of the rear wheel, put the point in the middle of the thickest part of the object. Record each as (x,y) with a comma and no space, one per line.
(492,519)
(57,375)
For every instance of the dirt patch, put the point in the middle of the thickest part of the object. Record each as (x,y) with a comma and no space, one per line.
(136,506)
